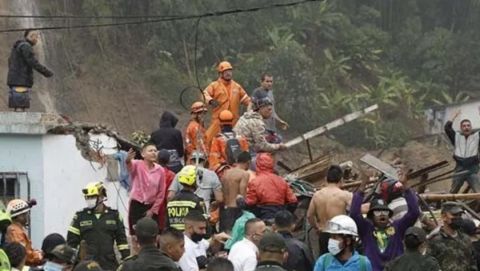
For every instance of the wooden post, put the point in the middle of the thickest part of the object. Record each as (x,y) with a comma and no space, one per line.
(309,150)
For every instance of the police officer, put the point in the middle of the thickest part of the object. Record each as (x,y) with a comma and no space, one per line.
(99,226)
(185,200)
(450,246)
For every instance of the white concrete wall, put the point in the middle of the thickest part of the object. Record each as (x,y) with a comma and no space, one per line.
(24,153)
(65,174)
(437,119)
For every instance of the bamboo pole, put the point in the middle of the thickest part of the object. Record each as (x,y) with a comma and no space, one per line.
(453,197)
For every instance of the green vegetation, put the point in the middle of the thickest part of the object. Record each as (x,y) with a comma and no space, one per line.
(328,58)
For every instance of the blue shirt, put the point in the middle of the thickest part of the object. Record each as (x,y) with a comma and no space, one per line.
(353,264)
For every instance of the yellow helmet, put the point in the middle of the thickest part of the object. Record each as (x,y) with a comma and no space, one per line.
(188,175)
(94,189)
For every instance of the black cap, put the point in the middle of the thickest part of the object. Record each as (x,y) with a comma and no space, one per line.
(451,207)
(163,155)
(51,241)
(65,253)
(272,242)
(88,266)
(379,205)
(419,233)
(146,227)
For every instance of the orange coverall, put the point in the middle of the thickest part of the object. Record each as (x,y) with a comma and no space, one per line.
(16,233)
(229,95)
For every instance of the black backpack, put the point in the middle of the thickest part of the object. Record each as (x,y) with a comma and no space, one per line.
(232,147)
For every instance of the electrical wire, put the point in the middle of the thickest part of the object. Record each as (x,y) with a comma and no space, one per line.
(162,19)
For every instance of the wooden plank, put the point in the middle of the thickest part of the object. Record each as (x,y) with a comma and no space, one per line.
(380,165)
(331,125)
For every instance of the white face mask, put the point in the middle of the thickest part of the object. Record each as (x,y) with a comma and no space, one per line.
(334,246)
(51,266)
(91,203)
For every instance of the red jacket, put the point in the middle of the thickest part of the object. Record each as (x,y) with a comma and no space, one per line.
(169,176)
(268,188)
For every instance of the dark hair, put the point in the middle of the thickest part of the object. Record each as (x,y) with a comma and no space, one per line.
(244,157)
(334,174)
(195,216)
(464,120)
(265,74)
(250,223)
(284,219)
(16,253)
(25,34)
(146,240)
(220,264)
(173,233)
(411,242)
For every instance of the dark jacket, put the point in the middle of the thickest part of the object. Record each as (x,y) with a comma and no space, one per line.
(299,255)
(100,234)
(179,206)
(150,258)
(270,266)
(21,63)
(167,137)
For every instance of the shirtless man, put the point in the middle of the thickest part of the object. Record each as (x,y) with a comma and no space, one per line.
(234,185)
(327,203)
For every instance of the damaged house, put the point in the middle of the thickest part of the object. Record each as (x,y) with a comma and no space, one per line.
(48,158)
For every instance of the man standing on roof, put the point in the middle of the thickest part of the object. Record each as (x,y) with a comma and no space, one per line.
(195,132)
(266,83)
(21,63)
(224,94)
(466,145)
(100,227)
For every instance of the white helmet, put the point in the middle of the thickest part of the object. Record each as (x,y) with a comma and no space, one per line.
(342,224)
(17,207)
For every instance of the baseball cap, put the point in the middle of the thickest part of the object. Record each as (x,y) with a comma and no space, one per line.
(419,233)
(146,227)
(65,253)
(272,242)
(451,207)
(51,241)
(88,266)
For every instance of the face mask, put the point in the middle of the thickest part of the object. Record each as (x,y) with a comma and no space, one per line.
(51,266)
(456,223)
(197,237)
(91,203)
(334,246)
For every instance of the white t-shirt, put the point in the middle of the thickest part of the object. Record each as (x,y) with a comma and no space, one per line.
(243,255)
(188,262)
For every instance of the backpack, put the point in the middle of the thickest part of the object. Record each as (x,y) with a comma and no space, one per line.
(327,260)
(232,147)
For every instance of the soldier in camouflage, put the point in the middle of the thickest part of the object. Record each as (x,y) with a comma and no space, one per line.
(452,248)
(252,126)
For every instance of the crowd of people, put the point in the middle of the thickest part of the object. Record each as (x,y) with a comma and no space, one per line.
(211,199)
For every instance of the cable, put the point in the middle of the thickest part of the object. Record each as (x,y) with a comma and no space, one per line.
(85,17)
(165,19)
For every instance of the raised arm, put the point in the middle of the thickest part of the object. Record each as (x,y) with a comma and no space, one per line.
(448,127)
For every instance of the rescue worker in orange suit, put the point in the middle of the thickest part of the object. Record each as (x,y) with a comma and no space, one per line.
(269,193)
(19,212)
(195,133)
(224,94)
(220,152)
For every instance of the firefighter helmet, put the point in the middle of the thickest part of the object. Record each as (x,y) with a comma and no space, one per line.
(94,189)
(223,66)
(188,175)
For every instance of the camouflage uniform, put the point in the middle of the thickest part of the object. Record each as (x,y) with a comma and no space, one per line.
(413,261)
(452,253)
(252,127)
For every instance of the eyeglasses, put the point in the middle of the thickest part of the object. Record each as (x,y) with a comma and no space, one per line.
(381,212)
